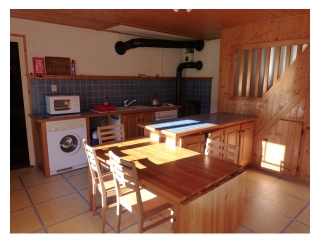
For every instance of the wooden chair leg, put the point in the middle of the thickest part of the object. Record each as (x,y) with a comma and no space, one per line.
(119,212)
(140,224)
(104,213)
(94,204)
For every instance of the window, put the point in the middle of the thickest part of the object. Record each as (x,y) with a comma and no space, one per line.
(258,67)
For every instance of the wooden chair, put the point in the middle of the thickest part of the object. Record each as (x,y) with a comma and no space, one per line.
(139,202)
(222,150)
(110,133)
(100,181)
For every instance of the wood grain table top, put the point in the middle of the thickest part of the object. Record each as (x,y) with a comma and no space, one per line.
(176,172)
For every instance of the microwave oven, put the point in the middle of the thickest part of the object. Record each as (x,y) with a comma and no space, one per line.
(62,104)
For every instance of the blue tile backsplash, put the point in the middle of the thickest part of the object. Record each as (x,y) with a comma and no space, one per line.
(93,91)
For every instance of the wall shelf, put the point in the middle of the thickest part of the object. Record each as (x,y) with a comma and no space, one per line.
(109,77)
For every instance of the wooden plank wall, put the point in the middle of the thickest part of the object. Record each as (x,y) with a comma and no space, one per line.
(289,100)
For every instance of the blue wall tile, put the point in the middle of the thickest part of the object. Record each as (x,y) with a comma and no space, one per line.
(92,92)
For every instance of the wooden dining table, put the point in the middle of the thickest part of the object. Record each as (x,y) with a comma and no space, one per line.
(207,194)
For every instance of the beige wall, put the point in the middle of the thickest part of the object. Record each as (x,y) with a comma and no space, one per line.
(94,51)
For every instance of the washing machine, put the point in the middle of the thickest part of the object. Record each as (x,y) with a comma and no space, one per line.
(65,145)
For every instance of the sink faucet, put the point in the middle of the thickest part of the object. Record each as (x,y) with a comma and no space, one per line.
(125,103)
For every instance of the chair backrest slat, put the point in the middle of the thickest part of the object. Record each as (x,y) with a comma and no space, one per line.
(126,175)
(221,150)
(110,133)
(94,165)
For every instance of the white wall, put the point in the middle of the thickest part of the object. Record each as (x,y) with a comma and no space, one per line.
(94,51)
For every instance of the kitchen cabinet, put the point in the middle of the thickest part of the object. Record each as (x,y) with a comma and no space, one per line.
(131,121)
(193,142)
(40,152)
(240,135)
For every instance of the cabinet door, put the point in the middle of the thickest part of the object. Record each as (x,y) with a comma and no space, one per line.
(231,135)
(245,145)
(193,142)
(131,125)
(216,135)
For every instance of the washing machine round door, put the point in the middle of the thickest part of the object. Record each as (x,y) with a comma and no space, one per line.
(69,144)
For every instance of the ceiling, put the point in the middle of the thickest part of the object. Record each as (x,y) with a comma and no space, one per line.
(202,24)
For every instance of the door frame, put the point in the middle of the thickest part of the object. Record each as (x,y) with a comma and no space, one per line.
(21,40)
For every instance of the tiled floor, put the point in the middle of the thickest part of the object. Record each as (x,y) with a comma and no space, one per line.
(59,204)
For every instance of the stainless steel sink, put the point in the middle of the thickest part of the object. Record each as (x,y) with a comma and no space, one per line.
(137,107)
(134,107)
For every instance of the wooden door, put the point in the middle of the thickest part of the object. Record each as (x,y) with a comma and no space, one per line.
(193,143)
(245,145)
(146,118)
(130,123)
(216,135)
(281,148)
(231,135)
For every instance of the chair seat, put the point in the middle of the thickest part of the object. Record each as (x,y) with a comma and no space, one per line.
(150,202)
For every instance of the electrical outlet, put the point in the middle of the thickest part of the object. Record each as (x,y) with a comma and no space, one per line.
(53,88)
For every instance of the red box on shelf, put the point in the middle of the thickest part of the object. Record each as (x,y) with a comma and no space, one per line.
(104,107)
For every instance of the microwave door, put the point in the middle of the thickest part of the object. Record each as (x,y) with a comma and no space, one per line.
(62,105)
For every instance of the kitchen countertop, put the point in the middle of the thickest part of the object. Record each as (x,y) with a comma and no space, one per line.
(195,124)
(47,117)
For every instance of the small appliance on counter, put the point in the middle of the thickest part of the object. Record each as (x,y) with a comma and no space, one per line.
(62,104)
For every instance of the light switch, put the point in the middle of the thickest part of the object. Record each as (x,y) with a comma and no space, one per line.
(53,88)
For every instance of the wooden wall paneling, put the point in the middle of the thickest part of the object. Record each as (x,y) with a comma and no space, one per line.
(241,72)
(276,65)
(284,139)
(296,149)
(281,95)
(271,101)
(283,112)
(256,86)
(249,73)
(266,71)
(301,108)
(292,86)
(304,25)
(289,149)
(288,54)
(304,159)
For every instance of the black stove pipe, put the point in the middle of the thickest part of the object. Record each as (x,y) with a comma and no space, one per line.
(122,47)
(197,65)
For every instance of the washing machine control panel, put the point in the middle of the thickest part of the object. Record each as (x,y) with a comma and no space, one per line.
(65,125)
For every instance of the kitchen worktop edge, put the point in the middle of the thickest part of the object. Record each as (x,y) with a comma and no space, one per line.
(44,117)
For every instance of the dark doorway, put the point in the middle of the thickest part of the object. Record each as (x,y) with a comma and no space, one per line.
(19,155)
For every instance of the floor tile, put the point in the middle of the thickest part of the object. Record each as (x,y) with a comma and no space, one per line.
(37,178)
(61,205)
(62,208)
(75,172)
(304,216)
(24,221)
(19,200)
(83,223)
(262,219)
(297,227)
(22,171)
(279,202)
(242,229)
(252,189)
(259,177)
(50,190)
(79,181)
(299,190)
(15,184)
